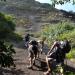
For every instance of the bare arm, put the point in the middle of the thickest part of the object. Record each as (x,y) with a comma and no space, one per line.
(52,47)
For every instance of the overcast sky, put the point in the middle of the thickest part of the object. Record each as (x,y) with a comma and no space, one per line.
(67,6)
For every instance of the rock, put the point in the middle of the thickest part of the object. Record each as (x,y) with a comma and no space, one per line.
(40,63)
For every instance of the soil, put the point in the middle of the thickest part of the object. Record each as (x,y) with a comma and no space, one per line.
(21,62)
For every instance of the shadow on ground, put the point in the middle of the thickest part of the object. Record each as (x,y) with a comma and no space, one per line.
(19,45)
(40,64)
(6,71)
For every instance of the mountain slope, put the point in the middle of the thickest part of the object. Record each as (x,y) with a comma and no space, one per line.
(31,15)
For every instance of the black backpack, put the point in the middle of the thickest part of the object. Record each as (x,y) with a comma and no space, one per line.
(66,47)
(27,37)
(35,49)
(33,42)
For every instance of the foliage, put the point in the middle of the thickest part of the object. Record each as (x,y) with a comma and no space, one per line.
(69,73)
(62,2)
(7,28)
(6,25)
(71,54)
(61,31)
(6,54)
(60,69)
(14,37)
(56,30)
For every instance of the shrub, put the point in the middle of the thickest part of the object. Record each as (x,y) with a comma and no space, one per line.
(61,31)
(6,25)
(57,30)
(6,52)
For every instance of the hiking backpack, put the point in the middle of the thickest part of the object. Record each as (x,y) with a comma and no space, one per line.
(65,46)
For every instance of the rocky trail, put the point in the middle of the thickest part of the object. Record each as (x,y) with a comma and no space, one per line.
(21,61)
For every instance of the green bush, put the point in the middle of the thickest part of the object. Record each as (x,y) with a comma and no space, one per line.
(71,54)
(14,37)
(6,54)
(6,25)
(69,73)
(61,31)
(57,30)
(7,28)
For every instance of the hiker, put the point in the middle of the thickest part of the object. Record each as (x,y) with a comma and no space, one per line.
(33,50)
(58,52)
(27,38)
(50,56)
(43,41)
(40,46)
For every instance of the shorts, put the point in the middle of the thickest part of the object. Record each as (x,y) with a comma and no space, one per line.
(31,55)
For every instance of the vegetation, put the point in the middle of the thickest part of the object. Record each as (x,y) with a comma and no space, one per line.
(61,31)
(6,54)
(7,28)
(60,69)
(62,2)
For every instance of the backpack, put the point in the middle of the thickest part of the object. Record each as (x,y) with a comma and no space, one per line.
(27,37)
(65,46)
(35,49)
(33,42)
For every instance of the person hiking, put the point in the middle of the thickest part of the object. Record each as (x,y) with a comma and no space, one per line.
(27,38)
(57,51)
(50,56)
(33,50)
(43,41)
(40,46)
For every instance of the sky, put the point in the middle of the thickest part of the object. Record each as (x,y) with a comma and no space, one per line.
(67,6)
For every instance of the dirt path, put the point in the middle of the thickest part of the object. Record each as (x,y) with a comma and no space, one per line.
(21,61)
(21,57)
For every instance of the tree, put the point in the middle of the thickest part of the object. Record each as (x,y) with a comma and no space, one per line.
(61,2)
(6,52)
(6,26)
